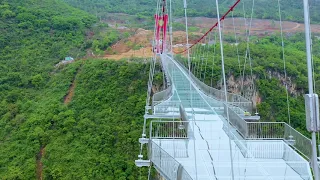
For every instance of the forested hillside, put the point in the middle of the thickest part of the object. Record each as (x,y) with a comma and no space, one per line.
(291,9)
(93,137)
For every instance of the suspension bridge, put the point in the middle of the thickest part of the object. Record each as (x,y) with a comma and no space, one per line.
(195,131)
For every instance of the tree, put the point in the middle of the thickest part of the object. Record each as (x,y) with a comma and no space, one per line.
(37,80)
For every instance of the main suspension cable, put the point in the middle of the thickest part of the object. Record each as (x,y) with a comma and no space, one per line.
(215,25)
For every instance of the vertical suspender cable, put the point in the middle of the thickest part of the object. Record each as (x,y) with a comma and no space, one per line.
(194,59)
(236,39)
(249,53)
(225,86)
(197,60)
(284,65)
(207,57)
(189,64)
(149,171)
(170,27)
(151,73)
(201,57)
(245,58)
(237,48)
(214,53)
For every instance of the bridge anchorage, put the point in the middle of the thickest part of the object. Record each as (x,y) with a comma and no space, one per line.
(194,131)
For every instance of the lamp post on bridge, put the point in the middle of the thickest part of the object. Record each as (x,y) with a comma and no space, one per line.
(311,99)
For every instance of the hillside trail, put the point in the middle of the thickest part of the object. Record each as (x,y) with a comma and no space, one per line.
(39,163)
(70,94)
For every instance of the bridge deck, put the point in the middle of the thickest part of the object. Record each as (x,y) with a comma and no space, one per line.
(206,154)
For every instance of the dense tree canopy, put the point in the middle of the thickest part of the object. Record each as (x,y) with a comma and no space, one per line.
(85,139)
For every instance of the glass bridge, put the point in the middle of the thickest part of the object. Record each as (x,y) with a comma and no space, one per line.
(190,138)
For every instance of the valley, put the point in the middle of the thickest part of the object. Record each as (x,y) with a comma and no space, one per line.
(82,120)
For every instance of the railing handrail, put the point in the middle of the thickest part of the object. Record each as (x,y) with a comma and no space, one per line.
(162,95)
(287,130)
(280,123)
(180,169)
(297,131)
(153,143)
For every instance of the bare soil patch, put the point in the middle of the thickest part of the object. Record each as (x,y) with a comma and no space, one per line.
(127,48)
(69,96)
(143,39)
(260,27)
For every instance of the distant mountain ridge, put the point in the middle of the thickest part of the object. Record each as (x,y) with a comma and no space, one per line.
(264,9)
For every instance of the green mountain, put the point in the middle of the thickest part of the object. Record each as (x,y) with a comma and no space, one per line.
(93,137)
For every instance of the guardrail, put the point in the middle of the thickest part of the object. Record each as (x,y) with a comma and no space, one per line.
(161,96)
(271,131)
(165,94)
(169,130)
(233,99)
(276,150)
(184,175)
(178,129)
(298,141)
(283,131)
(167,107)
(296,162)
(166,164)
(239,123)
(265,130)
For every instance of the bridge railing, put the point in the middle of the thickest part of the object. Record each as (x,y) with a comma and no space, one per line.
(169,130)
(165,94)
(184,175)
(161,96)
(296,162)
(271,131)
(239,123)
(233,99)
(258,131)
(298,141)
(265,130)
(166,164)
(167,107)
(280,130)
